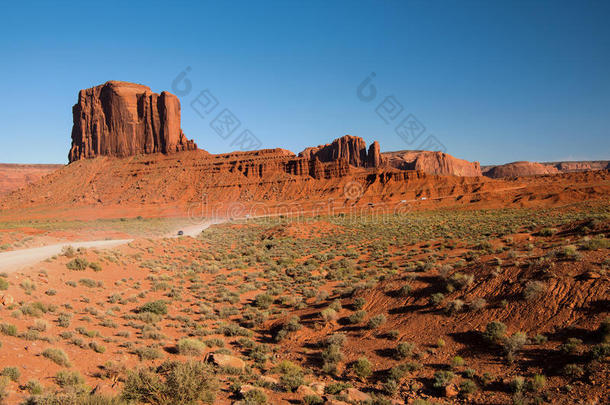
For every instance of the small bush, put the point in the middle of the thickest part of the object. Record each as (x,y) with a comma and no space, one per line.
(172,382)
(442,378)
(191,347)
(57,356)
(255,397)
(357,317)
(3,284)
(77,264)
(538,383)
(263,301)
(155,307)
(8,329)
(495,332)
(533,289)
(12,373)
(404,350)
(359,303)
(68,378)
(376,321)
(362,368)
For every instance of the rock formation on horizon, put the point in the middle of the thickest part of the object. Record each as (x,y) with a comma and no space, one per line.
(123,119)
(432,163)
(350,148)
(519,169)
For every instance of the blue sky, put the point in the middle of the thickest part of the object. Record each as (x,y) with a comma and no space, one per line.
(493,81)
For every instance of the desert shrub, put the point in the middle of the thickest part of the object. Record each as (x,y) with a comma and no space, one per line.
(148,353)
(376,321)
(329,314)
(455,306)
(292,325)
(78,264)
(191,347)
(3,284)
(477,304)
(357,317)
(312,400)
(517,384)
(69,378)
(291,375)
(572,371)
(362,368)
(571,346)
(12,373)
(515,343)
(57,356)
(359,303)
(158,307)
(467,387)
(96,347)
(459,281)
(172,382)
(548,231)
(404,350)
(457,361)
(336,305)
(331,356)
(442,378)
(34,387)
(533,289)
(263,301)
(436,299)
(539,339)
(537,383)
(596,244)
(494,332)
(336,339)
(255,397)
(405,290)
(8,329)
(336,388)
(600,351)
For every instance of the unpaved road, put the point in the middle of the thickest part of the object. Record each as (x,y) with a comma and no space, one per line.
(18,259)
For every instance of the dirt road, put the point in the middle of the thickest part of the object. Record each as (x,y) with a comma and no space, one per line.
(18,259)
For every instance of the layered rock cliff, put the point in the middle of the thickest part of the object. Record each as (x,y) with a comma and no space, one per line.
(124,119)
(350,148)
(519,169)
(432,163)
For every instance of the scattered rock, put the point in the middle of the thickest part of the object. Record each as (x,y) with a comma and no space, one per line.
(226,360)
(305,390)
(318,387)
(451,390)
(354,395)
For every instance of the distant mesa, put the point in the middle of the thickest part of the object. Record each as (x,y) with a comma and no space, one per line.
(438,163)
(123,119)
(519,169)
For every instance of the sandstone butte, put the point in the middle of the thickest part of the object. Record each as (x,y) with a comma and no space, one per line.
(125,119)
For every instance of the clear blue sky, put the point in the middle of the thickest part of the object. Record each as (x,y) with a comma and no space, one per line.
(494,81)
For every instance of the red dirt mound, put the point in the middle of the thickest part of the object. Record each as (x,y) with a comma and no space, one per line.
(15,176)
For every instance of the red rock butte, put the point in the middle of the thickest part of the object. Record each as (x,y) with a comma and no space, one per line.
(124,119)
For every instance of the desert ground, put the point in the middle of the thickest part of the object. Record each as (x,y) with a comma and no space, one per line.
(490,302)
